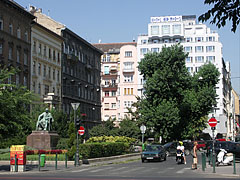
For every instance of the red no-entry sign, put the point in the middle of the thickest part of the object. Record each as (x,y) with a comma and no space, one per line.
(81,130)
(212,122)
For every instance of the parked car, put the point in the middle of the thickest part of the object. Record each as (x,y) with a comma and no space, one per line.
(229,146)
(171,147)
(154,153)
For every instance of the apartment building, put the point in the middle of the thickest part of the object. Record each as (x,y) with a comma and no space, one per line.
(46,65)
(15,40)
(118,80)
(80,69)
(203,46)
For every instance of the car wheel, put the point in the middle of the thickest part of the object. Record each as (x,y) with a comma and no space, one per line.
(187,152)
(143,160)
(167,153)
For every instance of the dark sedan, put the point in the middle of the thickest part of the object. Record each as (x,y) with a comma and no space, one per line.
(154,153)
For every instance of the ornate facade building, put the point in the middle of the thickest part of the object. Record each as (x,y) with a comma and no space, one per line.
(15,40)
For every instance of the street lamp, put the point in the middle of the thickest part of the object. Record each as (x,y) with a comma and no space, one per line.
(75,107)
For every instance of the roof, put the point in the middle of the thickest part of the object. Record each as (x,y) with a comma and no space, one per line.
(18,7)
(105,47)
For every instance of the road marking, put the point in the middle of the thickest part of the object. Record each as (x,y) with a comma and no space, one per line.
(80,170)
(135,169)
(118,169)
(103,169)
(181,171)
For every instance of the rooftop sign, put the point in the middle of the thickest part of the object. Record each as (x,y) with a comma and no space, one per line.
(162,19)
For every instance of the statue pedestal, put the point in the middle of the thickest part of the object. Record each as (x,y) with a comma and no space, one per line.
(43,140)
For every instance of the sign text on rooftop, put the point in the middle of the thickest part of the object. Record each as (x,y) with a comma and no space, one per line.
(162,19)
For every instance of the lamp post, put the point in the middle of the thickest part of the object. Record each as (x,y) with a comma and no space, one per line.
(75,107)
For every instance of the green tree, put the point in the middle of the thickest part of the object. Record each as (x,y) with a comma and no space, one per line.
(15,119)
(129,128)
(174,101)
(222,11)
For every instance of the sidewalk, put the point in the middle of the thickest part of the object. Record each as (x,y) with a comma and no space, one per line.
(32,166)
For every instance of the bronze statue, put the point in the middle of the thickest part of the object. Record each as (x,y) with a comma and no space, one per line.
(44,121)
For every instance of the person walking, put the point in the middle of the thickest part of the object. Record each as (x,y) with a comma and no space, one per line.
(195,159)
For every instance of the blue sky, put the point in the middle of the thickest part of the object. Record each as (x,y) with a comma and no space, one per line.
(124,20)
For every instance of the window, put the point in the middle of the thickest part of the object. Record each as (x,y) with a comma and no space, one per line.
(45,50)
(18,55)
(39,49)
(34,67)
(17,79)
(46,89)
(54,55)
(155,30)
(128,65)
(143,51)
(210,48)
(210,59)
(106,69)
(18,32)
(155,50)
(189,60)
(188,39)
(25,58)
(155,41)
(39,68)
(106,105)
(114,93)
(176,29)
(128,53)
(1,48)
(128,78)
(190,69)
(199,39)
(34,46)
(128,91)
(26,36)
(188,49)
(210,38)
(34,87)
(39,88)
(165,29)
(44,70)
(58,57)
(53,74)
(1,24)
(10,53)
(58,75)
(10,28)
(49,72)
(25,80)
(166,40)
(199,59)
(144,41)
(107,93)
(198,49)
(114,106)
(128,104)
(49,53)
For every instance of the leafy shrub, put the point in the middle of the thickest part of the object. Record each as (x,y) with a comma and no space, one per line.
(112,139)
(62,143)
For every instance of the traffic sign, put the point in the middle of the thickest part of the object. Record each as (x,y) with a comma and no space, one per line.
(143,128)
(81,130)
(75,106)
(212,122)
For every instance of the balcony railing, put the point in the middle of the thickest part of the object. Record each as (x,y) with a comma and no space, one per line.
(128,70)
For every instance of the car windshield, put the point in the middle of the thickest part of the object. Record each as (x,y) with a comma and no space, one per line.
(153,148)
(168,144)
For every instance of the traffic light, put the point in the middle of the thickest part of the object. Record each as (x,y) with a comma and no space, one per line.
(77,122)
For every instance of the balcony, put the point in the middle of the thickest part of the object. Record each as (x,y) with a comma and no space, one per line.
(128,70)
(113,68)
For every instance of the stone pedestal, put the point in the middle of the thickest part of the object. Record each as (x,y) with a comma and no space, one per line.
(43,140)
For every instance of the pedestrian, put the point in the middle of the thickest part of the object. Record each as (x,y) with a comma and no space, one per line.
(195,159)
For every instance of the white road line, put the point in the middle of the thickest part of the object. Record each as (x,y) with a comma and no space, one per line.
(118,169)
(103,169)
(80,170)
(181,171)
(135,169)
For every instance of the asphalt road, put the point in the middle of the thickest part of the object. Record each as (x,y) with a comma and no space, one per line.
(131,170)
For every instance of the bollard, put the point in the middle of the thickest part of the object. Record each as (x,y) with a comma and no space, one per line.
(213,163)
(234,164)
(56,159)
(203,162)
(66,158)
(16,167)
(39,159)
(75,160)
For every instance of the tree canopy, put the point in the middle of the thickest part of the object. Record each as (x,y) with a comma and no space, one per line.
(15,119)
(175,102)
(222,11)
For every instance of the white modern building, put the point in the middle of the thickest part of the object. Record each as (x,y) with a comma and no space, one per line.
(203,45)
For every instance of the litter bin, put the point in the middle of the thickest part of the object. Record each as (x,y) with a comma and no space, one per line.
(42,160)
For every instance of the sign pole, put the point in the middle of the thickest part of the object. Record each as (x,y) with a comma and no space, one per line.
(143,129)
(213,150)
